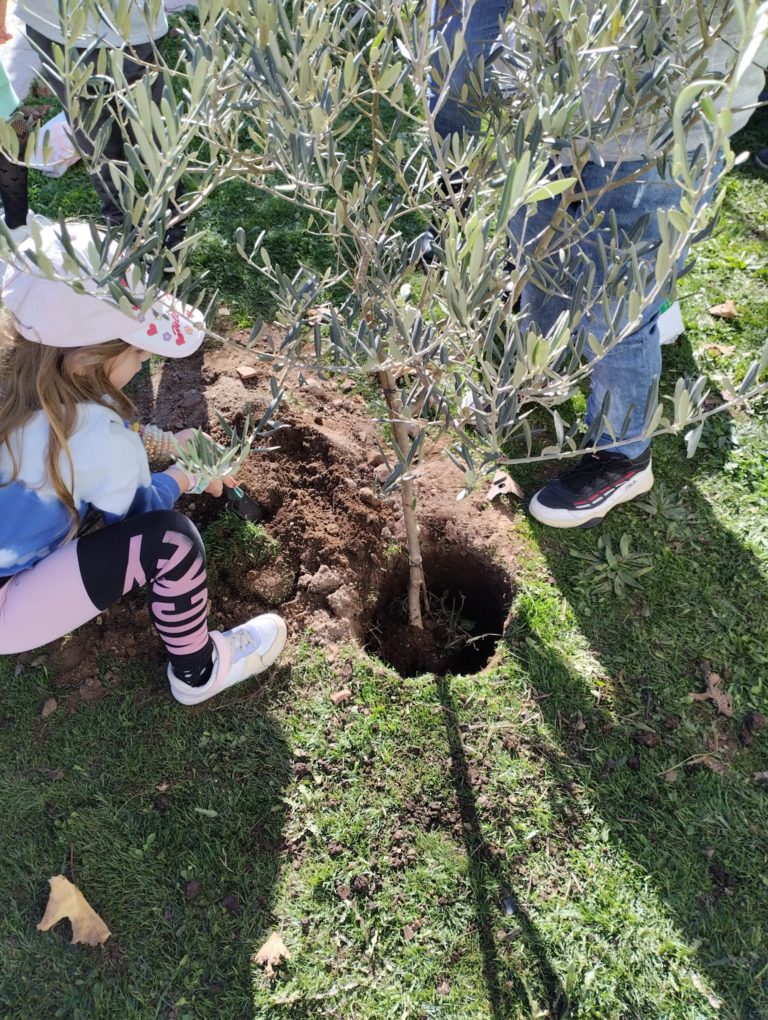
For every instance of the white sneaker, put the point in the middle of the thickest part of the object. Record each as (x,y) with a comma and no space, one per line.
(670,323)
(239,654)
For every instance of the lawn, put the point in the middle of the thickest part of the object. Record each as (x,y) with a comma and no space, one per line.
(568,834)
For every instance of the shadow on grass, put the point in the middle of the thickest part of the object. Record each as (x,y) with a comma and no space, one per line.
(701,835)
(504,988)
(173,819)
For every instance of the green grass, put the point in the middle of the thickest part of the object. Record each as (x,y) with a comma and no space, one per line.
(234,546)
(568,834)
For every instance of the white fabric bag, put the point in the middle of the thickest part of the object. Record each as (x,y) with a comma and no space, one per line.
(55,152)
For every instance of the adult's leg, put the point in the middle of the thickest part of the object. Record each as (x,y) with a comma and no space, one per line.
(13,192)
(630,372)
(161,550)
(480,21)
(114,149)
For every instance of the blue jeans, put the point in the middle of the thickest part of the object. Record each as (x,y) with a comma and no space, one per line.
(480,33)
(632,368)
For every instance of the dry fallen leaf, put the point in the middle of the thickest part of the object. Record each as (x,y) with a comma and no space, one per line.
(722,701)
(49,707)
(503,484)
(727,310)
(339,697)
(671,776)
(700,987)
(719,348)
(66,900)
(271,954)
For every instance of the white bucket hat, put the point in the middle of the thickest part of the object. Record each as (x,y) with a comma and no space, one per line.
(50,312)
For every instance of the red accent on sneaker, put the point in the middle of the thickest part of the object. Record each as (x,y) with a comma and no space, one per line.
(608,488)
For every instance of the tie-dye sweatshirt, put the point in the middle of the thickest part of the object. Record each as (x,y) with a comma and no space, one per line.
(109,471)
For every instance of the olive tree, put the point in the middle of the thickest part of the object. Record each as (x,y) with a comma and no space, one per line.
(333,106)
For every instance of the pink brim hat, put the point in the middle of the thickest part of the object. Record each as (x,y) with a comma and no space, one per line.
(50,312)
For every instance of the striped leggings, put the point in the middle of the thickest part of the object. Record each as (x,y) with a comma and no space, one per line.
(160,550)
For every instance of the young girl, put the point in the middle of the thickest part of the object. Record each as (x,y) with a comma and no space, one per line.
(65,448)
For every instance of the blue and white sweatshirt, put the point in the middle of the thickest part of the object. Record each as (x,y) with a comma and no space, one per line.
(111,474)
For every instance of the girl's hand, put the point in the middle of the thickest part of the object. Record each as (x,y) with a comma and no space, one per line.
(183,437)
(186,482)
(216,486)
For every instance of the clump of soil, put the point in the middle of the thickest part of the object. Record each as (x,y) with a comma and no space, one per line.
(318,485)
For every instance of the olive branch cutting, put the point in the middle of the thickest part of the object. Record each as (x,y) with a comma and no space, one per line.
(207,459)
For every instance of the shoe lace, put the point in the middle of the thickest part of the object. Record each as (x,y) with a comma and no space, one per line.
(242,640)
(590,468)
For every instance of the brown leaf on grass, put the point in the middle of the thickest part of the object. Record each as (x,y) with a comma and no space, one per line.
(719,348)
(443,988)
(66,900)
(722,701)
(727,310)
(646,738)
(193,888)
(271,955)
(671,776)
(339,697)
(49,707)
(502,485)
(754,722)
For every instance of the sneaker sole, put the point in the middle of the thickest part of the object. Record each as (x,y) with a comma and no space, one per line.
(553,517)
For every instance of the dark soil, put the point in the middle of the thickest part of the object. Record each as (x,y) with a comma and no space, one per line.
(469,600)
(337,576)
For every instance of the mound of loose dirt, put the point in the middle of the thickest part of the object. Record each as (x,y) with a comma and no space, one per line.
(339,574)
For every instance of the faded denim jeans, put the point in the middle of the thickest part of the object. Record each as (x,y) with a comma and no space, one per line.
(633,367)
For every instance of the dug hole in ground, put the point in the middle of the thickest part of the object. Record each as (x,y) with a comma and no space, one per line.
(341,570)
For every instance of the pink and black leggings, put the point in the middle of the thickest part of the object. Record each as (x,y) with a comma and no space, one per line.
(160,550)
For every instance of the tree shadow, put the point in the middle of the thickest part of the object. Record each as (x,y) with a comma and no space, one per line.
(698,831)
(505,988)
(173,821)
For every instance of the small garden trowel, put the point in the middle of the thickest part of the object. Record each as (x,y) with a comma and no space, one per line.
(241,504)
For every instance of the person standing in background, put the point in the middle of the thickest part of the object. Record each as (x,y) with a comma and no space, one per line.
(148,26)
(581,496)
(13,176)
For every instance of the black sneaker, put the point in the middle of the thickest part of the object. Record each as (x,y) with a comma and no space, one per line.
(581,497)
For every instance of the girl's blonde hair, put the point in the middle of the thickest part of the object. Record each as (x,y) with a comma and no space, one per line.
(55,380)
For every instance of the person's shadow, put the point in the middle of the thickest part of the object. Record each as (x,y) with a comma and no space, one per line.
(673,780)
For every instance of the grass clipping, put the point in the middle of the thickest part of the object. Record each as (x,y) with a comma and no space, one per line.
(66,900)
